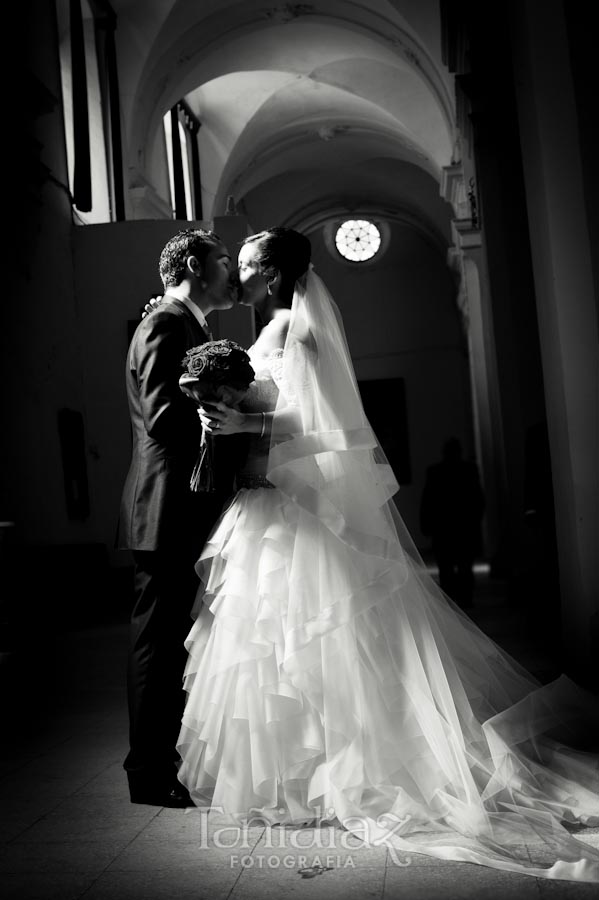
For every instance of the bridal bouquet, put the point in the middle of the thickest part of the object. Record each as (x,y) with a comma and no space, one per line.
(216,370)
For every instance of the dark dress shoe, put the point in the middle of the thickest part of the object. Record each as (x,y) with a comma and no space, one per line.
(173,796)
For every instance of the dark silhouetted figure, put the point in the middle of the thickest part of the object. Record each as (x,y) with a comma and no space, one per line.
(450,514)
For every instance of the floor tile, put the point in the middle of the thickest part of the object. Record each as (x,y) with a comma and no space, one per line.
(91,856)
(143,854)
(458,881)
(567,890)
(192,825)
(97,808)
(26,785)
(67,886)
(205,883)
(110,784)
(58,827)
(275,880)
(26,810)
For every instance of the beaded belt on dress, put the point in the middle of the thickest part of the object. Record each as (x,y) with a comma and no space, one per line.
(253,480)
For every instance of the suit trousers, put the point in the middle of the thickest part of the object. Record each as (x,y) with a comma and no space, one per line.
(165,586)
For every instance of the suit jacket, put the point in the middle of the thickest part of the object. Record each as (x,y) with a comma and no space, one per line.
(158,508)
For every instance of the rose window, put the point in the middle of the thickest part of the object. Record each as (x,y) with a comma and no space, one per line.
(358,240)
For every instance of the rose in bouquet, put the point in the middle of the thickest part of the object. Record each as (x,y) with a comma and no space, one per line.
(216,370)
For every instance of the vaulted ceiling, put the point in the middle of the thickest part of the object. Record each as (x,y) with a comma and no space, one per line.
(330,105)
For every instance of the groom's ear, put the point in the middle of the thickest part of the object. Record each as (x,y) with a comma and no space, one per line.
(195,267)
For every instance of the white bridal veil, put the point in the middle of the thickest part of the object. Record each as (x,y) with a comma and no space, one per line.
(432,738)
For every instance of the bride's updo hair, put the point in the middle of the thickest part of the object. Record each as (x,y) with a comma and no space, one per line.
(282,250)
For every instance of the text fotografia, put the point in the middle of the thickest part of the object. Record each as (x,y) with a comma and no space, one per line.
(313,865)
(318,839)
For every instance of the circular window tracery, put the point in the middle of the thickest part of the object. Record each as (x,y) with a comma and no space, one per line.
(358,240)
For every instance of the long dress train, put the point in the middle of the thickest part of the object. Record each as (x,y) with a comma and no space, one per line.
(329,678)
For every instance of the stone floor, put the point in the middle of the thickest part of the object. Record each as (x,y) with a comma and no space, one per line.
(68,830)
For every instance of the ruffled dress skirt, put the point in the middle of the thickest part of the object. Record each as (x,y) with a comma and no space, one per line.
(323,686)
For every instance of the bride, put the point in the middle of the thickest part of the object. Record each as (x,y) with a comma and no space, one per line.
(328,677)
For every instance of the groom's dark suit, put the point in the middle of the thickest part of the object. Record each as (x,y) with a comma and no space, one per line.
(166,525)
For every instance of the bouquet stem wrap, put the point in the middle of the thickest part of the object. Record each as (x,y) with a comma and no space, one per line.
(202,476)
(216,370)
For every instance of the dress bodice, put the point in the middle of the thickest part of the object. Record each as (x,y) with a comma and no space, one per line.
(263,392)
(262,396)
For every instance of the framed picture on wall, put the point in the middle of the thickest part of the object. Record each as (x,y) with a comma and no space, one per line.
(384,402)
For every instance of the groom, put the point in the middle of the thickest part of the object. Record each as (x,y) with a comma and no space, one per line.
(162,521)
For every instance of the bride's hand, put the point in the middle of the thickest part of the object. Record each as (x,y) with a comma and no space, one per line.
(220,419)
(152,304)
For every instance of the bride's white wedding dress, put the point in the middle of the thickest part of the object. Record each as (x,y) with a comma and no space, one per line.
(330,679)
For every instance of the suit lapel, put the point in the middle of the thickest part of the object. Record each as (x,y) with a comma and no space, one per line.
(196,328)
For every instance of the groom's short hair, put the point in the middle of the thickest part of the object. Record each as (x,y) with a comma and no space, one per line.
(196,242)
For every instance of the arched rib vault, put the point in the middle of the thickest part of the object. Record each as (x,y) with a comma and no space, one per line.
(299,88)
